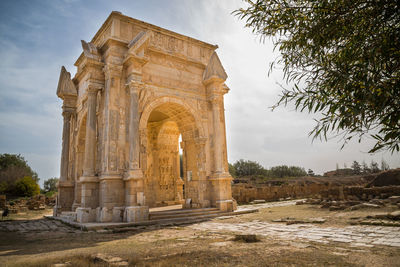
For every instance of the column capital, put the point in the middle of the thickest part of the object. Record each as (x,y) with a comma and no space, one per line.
(68,112)
(215,98)
(135,86)
(112,70)
(93,89)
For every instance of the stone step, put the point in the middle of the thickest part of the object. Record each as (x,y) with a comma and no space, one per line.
(68,215)
(182,214)
(183,211)
(123,226)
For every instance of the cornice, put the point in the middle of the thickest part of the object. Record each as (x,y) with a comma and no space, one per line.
(148,26)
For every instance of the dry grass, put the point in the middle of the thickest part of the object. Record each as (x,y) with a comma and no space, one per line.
(28,215)
(183,246)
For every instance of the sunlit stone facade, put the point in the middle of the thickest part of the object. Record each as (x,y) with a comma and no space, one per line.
(137,89)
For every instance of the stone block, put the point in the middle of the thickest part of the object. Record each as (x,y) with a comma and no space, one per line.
(85,215)
(118,214)
(136,214)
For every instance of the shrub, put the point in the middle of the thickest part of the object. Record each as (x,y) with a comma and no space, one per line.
(27,186)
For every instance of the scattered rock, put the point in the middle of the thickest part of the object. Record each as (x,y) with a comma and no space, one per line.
(364,206)
(246,238)
(108,259)
(394,199)
(62,264)
(394,215)
(289,221)
(333,208)
(377,202)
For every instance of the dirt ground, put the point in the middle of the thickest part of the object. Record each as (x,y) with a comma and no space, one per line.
(187,246)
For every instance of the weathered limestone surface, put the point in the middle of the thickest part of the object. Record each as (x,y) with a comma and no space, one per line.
(143,95)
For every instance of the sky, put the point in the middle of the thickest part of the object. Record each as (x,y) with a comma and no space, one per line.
(38,37)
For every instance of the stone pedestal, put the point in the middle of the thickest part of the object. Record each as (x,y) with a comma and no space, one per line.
(85,215)
(225,205)
(136,214)
(90,192)
(221,189)
(118,214)
(104,214)
(134,188)
(65,196)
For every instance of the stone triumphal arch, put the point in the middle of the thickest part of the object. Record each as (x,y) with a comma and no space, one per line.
(144,125)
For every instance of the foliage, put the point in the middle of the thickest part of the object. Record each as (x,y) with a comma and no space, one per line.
(287,171)
(232,170)
(310,173)
(247,168)
(356,167)
(50,185)
(343,58)
(384,165)
(243,168)
(12,169)
(27,186)
(374,167)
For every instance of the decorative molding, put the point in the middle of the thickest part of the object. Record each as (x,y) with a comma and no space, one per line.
(214,70)
(66,87)
(90,50)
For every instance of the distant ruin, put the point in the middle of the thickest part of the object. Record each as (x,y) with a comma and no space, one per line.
(138,89)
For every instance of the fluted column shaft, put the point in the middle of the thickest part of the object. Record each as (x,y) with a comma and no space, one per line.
(65,145)
(218,134)
(90,137)
(134,127)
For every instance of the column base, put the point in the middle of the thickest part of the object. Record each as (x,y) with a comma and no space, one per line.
(75,206)
(133,174)
(136,214)
(104,214)
(118,214)
(85,215)
(65,196)
(225,205)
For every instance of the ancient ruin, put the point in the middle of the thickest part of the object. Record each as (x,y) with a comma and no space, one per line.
(140,94)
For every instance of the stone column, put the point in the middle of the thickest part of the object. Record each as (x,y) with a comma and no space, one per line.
(89,180)
(111,188)
(134,181)
(220,178)
(218,134)
(65,185)
(135,88)
(89,163)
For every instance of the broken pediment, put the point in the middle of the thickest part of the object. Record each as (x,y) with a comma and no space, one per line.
(66,86)
(214,69)
(90,50)
(136,46)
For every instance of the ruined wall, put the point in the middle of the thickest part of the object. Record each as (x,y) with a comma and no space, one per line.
(246,190)
(244,193)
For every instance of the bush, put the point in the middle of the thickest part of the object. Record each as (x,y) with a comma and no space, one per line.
(27,186)
(247,168)
(50,185)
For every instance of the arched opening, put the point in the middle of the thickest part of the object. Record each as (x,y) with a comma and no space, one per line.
(172,168)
